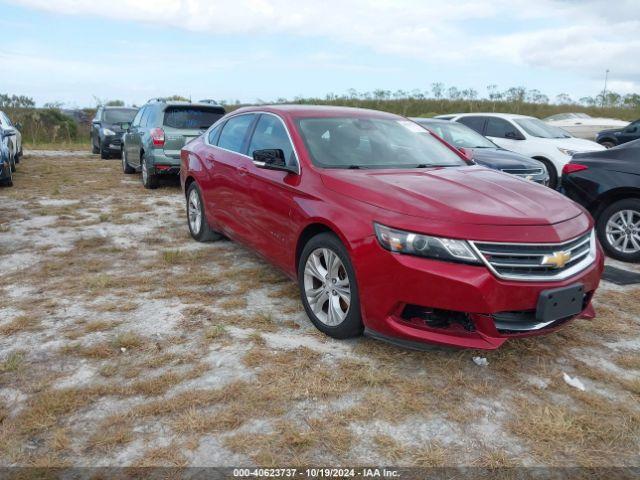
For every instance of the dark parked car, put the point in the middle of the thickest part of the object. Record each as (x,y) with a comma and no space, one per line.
(107,128)
(608,185)
(618,136)
(159,131)
(7,158)
(484,151)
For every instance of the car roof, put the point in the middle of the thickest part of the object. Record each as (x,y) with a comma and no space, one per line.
(113,107)
(182,103)
(492,114)
(301,111)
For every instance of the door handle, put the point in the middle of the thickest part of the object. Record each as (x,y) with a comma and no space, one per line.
(243,171)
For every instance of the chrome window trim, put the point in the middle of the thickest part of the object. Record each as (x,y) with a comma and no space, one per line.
(564,274)
(258,112)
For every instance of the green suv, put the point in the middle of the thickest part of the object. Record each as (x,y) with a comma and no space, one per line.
(160,129)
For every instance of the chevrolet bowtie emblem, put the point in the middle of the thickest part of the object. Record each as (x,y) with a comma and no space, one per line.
(557,260)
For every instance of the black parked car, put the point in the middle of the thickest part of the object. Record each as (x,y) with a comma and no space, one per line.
(607,183)
(484,151)
(107,128)
(618,136)
(7,158)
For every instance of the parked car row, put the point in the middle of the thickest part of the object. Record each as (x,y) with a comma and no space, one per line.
(10,149)
(608,132)
(392,231)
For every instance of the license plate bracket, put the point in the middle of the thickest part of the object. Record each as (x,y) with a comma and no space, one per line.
(558,303)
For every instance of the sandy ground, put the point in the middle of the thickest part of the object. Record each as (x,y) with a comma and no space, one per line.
(124,342)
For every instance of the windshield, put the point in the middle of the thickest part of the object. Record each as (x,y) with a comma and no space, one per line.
(194,118)
(458,135)
(119,115)
(347,142)
(537,128)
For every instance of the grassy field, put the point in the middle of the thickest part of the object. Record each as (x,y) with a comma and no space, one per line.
(124,342)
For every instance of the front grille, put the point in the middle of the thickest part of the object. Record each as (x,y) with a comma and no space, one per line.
(525,261)
(523,172)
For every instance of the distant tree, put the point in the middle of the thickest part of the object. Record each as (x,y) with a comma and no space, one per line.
(438,90)
(563,99)
(53,105)
(588,101)
(177,98)
(16,101)
(631,100)
(114,103)
(453,93)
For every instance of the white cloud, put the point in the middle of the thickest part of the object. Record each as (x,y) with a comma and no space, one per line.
(582,37)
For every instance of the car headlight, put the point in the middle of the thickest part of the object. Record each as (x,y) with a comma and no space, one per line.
(108,131)
(427,246)
(568,152)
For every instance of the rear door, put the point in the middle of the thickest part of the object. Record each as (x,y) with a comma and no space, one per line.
(132,139)
(229,194)
(182,124)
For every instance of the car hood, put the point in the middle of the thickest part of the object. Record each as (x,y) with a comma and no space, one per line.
(503,159)
(576,144)
(466,195)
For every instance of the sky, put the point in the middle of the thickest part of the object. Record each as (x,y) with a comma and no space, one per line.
(76,51)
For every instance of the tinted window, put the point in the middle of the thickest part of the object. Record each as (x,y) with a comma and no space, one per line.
(136,119)
(475,123)
(145,117)
(234,132)
(271,133)
(119,115)
(459,135)
(213,134)
(497,127)
(193,118)
(537,128)
(358,142)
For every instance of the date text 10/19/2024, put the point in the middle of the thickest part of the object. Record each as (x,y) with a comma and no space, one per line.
(316,472)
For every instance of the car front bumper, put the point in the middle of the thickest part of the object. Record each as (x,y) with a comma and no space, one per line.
(415,301)
(113,143)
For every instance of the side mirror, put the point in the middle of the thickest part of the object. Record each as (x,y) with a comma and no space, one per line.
(125,126)
(271,159)
(513,135)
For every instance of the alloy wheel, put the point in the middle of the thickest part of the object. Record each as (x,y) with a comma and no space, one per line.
(194,212)
(326,286)
(623,231)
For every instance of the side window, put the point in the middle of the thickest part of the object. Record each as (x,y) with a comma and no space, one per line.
(138,117)
(213,134)
(476,123)
(145,117)
(234,132)
(497,127)
(270,132)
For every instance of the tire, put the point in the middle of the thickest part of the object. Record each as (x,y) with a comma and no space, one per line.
(617,214)
(553,173)
(126,168)
(149,180)
(608,144)
(13,164)
(17,158)
(335,322)
(8,182)
(94,148)
(199,230)
(105,154)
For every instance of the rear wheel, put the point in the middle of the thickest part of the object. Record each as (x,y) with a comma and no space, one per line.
(608,144)
(328,287)
(105,154)
(196,218)
(618,229)
(9,181)
(12,164)
(149,180)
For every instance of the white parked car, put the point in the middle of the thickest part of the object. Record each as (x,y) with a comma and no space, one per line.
(531,137)
(582,125)
(16,139)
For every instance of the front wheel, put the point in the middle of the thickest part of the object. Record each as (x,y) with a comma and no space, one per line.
(9,181)
(328,287)
(94,148)
(196,219)
(607,144)
(149,180)
(551,170)
(618,229)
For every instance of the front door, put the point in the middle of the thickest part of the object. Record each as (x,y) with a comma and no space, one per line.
(132,139)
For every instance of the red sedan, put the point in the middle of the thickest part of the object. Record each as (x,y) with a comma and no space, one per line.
(390,231)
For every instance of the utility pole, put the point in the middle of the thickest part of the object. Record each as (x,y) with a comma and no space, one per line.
(604,92)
